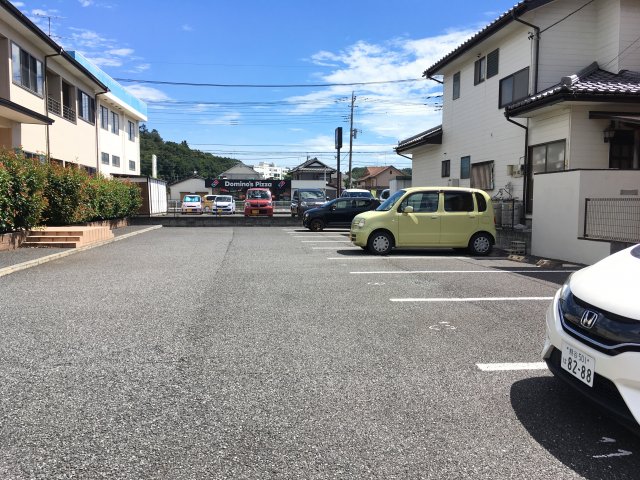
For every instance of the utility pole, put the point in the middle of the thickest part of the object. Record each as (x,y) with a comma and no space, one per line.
(353,100)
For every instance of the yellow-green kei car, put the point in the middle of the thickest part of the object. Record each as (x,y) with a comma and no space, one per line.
(428,217)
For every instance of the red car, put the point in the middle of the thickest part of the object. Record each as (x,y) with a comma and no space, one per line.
(258,202)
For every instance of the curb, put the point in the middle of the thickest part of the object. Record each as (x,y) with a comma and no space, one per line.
(55,256)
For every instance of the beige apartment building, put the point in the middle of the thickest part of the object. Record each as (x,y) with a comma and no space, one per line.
(50,99)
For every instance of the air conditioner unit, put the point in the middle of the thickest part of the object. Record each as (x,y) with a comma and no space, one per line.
(515,170)
(454,182)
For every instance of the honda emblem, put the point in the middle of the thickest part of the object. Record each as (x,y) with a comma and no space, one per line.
(588,319)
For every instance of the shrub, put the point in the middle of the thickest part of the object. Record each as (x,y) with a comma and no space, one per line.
(32,194)
(22,183)
(66,195)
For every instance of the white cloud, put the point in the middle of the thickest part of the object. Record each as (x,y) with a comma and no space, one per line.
(121,52)
(106,61)
(142,67)
(187,28)
(390,111)
(147,94)
(86,3)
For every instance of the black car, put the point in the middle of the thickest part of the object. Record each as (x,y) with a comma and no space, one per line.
(337,213)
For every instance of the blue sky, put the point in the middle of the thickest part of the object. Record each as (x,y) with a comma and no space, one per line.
(269,43)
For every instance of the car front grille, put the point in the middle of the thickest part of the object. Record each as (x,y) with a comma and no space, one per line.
(610,333)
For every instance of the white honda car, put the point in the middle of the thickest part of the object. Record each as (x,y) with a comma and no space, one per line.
(593,334)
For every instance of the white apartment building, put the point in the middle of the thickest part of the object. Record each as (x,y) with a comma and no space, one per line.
(270,170)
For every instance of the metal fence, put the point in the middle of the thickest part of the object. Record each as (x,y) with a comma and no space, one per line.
(174,207)
(612,219)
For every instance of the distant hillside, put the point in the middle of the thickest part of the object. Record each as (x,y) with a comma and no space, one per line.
(176,160)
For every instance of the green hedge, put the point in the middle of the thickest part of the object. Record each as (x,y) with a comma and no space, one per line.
(34,194)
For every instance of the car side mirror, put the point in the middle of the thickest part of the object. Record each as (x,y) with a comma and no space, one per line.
(407,209)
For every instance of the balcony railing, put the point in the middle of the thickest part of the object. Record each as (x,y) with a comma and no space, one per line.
(53,105)
(68,113)
(612,219)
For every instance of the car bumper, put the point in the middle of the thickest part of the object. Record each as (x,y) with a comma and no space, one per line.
(358,238)
(616,384)
(258,211)
(222,211)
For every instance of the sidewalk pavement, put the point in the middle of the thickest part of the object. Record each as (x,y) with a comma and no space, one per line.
(22,258)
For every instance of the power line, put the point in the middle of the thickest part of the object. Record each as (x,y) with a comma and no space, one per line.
(247,85)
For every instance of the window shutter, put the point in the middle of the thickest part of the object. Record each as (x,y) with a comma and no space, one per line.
(492,63)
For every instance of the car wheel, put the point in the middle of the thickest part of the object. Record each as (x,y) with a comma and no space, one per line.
(207,209)
(293,214)
(380,243)
(480,244)
(316,225)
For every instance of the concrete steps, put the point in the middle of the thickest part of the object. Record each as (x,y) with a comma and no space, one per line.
(66,237)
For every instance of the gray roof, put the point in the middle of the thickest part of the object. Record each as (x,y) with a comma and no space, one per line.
(590,84)
(433,136)
(502,21)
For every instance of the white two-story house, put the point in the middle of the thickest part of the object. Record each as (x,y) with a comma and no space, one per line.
(541,106)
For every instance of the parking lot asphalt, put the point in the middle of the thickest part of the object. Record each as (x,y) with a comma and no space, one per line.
(281,353)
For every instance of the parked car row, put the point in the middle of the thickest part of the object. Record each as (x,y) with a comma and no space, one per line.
(216,204)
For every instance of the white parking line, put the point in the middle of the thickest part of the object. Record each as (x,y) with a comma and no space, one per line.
(325,241)
(474,299)
(369,257)
(505,367)
(318,236)
(398,272)
(333,248)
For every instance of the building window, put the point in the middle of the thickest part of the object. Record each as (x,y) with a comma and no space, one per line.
(68,102)
(456,85)
(548,157)
(132,165)
(514,87)
(492,63)
(465,167)
(27,70)
(482,175)
(621,148)
(446,168)
(115,161)
(86,107)
(105,158)
(132,131)
(479,70)
(115,123)
(104,117)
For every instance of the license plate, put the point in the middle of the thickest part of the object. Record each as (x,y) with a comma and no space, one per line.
(578,364)
(255,212)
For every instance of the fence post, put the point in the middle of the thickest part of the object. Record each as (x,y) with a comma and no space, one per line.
(586,209)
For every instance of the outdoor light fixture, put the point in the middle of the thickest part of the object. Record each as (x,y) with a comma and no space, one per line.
(609,132)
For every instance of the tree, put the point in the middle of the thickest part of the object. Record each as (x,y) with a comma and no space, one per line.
(176,160)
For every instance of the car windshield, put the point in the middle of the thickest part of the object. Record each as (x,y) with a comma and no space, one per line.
(312,195)
(389,202)
(223,198)
(259,194)
(191,198)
